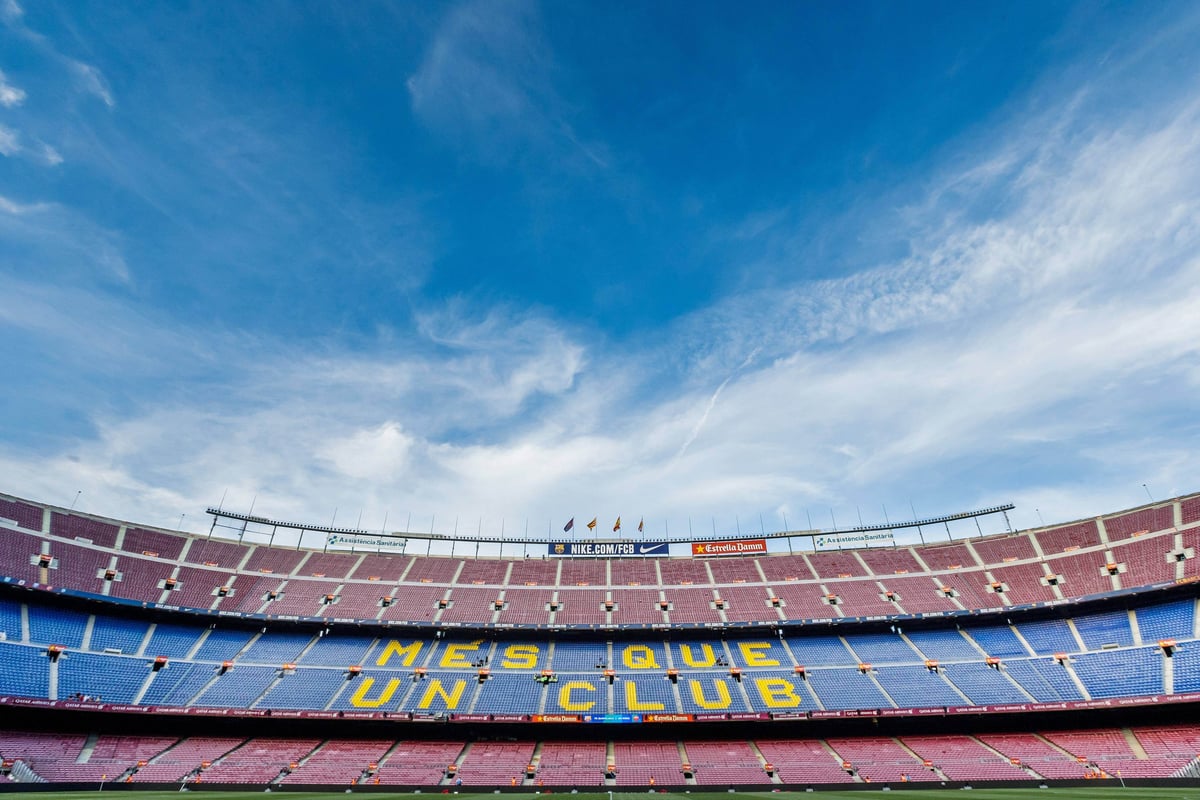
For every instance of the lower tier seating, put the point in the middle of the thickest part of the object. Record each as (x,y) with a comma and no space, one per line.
(1161,751)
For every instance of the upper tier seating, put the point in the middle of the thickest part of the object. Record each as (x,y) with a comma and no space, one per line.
(109,558)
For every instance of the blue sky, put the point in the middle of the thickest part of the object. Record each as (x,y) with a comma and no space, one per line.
(510,261)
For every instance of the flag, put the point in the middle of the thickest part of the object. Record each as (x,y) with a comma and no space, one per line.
(570,524)
(592,524)
(642,525)
(617,525)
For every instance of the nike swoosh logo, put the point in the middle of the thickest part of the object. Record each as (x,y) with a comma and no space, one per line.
(644,549)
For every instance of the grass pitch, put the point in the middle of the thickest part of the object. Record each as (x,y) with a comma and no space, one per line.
(1095,792)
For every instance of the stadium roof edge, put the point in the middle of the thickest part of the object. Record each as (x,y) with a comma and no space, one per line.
(219,513)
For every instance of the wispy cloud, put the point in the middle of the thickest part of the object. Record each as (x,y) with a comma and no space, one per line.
(62,244)
(51,156)
(92,81)
(712,402)
(87,77)
(42,153)
(11,11)
(10,206)
(10,142)
(10,96)
(486,81)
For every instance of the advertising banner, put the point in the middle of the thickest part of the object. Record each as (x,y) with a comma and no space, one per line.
(1006,708)
(859,539)
(613,719)
(609,549)
(735,547)
(346,541)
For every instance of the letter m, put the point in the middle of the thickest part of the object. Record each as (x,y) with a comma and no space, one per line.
(407,652)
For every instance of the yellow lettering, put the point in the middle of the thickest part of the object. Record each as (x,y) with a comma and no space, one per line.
(453,656)
(435,690)
(722,700)
(359,699)
(752,656)
(520,656)
(564,696)
(778,693)
(639,656)
(632,702)
(708,660)
(407,651)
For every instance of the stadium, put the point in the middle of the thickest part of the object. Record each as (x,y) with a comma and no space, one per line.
(525,397)
(148,658)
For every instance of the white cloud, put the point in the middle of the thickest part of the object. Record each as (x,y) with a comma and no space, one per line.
(10,143)
(92,81)
(10,146)
(87,77)
(10,206)
(1037,334)
(10,96)
(64,244)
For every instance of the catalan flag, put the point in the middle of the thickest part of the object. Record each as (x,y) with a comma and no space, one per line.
(642,525)
(570,524)
(592,524)
(617,525)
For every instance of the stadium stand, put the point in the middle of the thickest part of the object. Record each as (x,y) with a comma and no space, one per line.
(184,760)
(146,566)
(338,762)
(419,763)
(495,763)
(724,763)
(882,760)
(804,761)
(640,764)
(258,761)
(103,616)
(963,758)
(1092,655)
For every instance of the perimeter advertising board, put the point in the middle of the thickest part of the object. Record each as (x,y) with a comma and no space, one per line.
(610,548)
(736,547)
